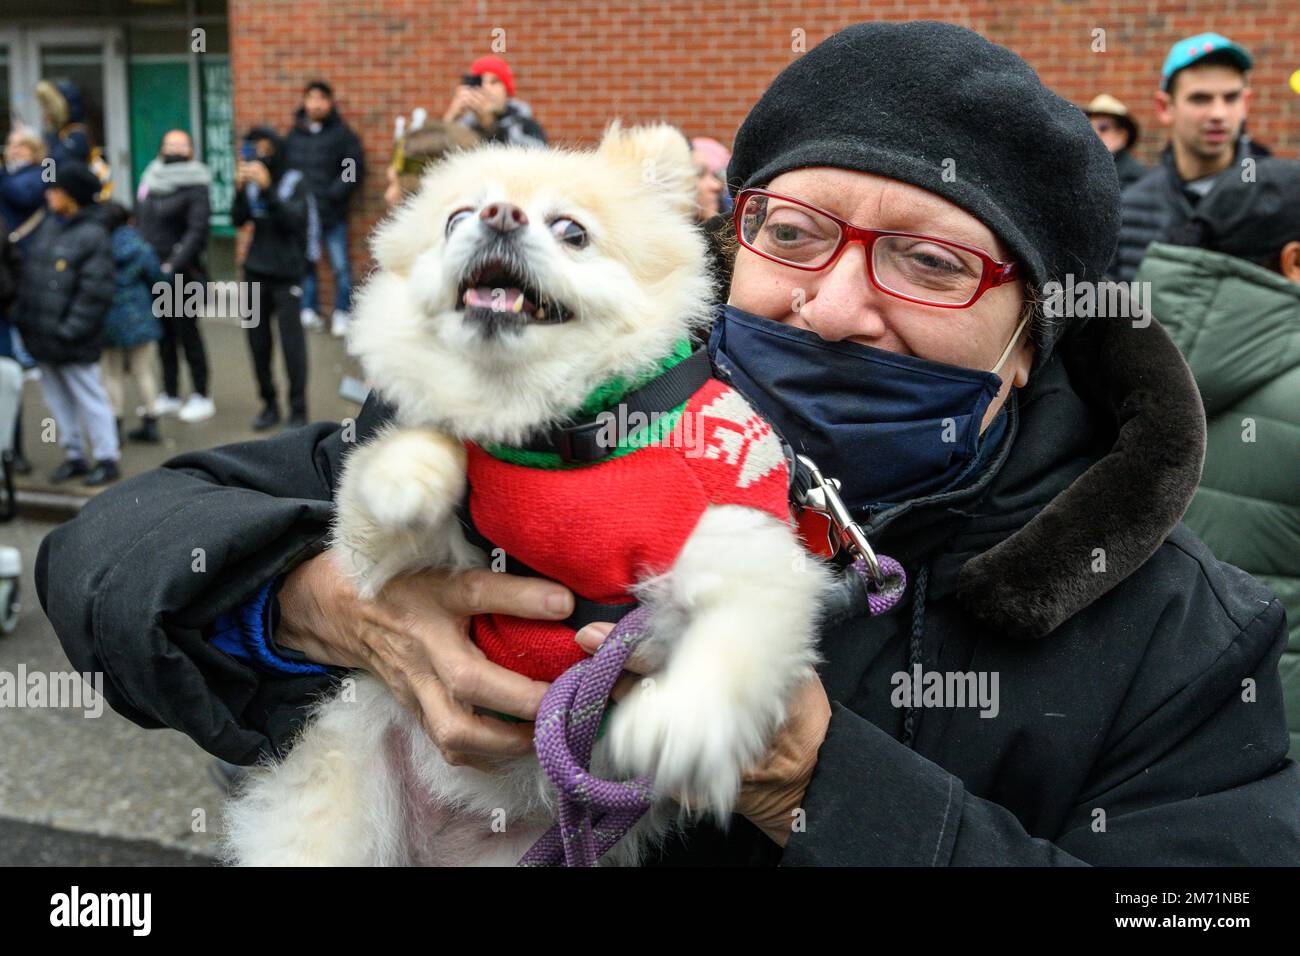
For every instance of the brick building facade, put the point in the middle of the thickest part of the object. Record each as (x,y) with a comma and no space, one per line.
(701,65)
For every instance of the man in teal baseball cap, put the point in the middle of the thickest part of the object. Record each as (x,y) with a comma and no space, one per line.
(1203,97)
(1196,49)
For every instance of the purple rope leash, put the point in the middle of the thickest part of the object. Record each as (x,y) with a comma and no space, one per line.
(881,599)
(595,814)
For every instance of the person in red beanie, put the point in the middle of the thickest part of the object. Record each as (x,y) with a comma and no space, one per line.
(485,102)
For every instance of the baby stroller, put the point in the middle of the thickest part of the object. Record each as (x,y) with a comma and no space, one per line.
(11,388)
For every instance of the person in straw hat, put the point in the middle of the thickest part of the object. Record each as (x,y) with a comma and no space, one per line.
(1119,131)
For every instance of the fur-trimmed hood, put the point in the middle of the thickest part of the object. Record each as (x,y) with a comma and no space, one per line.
(1102,459)
(61,101)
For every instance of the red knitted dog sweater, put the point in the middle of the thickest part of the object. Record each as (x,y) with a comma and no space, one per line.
(600,528)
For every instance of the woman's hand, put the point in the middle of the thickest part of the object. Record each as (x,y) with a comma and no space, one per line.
(415,638)
(772,790)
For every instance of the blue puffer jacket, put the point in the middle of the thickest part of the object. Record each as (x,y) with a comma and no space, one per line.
(22,192)
(130,320)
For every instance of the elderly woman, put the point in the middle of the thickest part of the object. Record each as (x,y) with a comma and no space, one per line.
(905,195)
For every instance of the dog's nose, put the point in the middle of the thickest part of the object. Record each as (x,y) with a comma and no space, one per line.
(504,217)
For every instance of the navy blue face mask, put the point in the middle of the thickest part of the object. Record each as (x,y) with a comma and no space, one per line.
(890,427)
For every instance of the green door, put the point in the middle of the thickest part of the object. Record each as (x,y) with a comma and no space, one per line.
(160,100)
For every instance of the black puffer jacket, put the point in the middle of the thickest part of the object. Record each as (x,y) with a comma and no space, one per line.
(1157,203)
(1128,168)
(279,245)
(67,288)
(175,224)
(1122,733)
(11,271)
(321,156)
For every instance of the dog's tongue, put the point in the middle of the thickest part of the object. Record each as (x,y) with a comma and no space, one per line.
(500,300)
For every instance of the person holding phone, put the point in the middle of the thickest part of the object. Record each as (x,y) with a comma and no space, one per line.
(485,102)
(276,201)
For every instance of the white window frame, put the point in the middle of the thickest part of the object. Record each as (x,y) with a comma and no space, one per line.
(26,47)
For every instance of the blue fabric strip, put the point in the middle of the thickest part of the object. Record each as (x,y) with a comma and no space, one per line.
(242,633)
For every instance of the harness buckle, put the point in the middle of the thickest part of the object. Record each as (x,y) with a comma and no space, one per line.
(819,494)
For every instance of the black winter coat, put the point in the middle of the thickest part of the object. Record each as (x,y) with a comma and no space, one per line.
(175,224)
(67,288)
(279,245)
(1128,168)
(1158,203)
(11,271)
(321,157)
(1123,735)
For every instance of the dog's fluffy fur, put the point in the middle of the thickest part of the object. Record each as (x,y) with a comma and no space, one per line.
(734,617)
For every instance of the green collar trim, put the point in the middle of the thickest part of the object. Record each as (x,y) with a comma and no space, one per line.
(604,397)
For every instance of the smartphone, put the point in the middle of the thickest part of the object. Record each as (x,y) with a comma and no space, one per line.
(247,152)
(471,79)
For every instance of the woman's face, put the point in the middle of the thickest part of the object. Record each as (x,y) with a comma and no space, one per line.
(708,189)
(840,303)
(18,150)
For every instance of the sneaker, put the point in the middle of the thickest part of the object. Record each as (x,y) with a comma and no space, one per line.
(165,404)
(104,472)
(69,469)
(147,432)
(269,417)
(311,321)
(339,323)
(296,420)
(198,408)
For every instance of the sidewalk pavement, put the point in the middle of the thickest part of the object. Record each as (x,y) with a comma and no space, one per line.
(70,773)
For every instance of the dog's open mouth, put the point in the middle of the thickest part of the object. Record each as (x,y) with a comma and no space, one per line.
(494,290)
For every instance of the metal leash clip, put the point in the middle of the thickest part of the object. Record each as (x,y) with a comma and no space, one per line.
(819,494)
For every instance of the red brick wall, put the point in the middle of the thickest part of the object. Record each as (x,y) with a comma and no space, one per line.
(700,65)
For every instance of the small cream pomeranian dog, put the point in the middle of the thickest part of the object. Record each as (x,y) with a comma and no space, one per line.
(511,288)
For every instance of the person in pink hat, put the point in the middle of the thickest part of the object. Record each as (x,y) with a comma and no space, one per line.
(710,158)
(485,102)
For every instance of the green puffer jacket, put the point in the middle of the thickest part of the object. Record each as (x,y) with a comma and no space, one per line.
(1238,325)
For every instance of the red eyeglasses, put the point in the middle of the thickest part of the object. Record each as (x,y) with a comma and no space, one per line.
(915,268)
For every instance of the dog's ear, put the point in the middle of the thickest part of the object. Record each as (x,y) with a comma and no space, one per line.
(660,154)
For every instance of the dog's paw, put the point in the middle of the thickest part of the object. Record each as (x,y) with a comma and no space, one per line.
(412,479)
(682,734)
